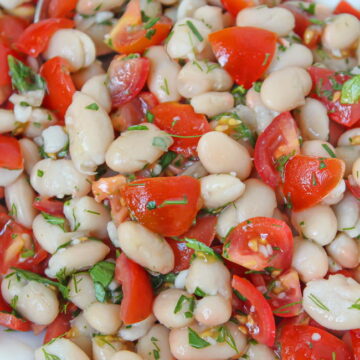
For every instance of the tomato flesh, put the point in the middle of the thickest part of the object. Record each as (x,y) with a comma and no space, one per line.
(11,28)
(344,7)
(12,157)
(234,6)
(49,206)
(61,8)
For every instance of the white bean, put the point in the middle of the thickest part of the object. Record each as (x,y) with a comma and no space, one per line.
(349,137)
(30,153)
(82,76)
(285,89)
(97,33)
(135,149)
(55,139)
(213,310)
(317,223)
(337,294)
(151,9)
(39,120)
(219,153)
(260,351)
(335,195)
(316,148)
(77,257)
(89,7)
(163,74)
(309,260)
(356,170)
(168,2)
(211,16)
(59,178)
(81,290)
(20,196)
(90,132)
(7,121)
(81,326)
(212,103)
(344,250)
(187,8)
(347,212)
(137,330)
(348,154)
(125,355)
(148,249)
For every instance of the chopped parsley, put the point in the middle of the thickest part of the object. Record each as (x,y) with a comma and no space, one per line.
(350,93)
(196,341)
(329,150)
(194,30)
(93,106)
(40,173)
(318,302)
(54,220)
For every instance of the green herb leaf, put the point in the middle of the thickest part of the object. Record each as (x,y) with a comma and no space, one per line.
(150,33)
(183,201)
(103,273)
(40,173)
(93,106)
(239,296)
(196,341)
(257,86)
(350,93)
(225,336)
(49,356)
(310,9)
(199,292)
(318,302)
(356,305)
(167,159)
(14,301)
(27,253)
(137,127)
(54,220)
(151,23)
(149,117)
(194,30)
(200,247)
(184,299)
(160,142)
(280,310)
(329,150)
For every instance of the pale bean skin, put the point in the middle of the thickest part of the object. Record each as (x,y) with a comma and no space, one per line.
(278,20)
(212,103)
(349,137)
(165,304)
(20,195)
(309,260)
(39,120)
(77,257)
(90,133)
(338,294)
(347,212)
(126,355)
(219,153)
(345,251)
(7,121)
(145,345)
(316,148)
(151,8)
(97,33)
(220,189)
(30,153)
(135,149)
(88,7)
(163,74)
(213,310)
(210,15)
(335,195)
(317,223)
(81,290)
(286,89)
(341,32)
(82,76)
(55,139)
(12,286)
(137,330)
(182,350)
(187,8)
(313,120)
(146,248)
(356,171)
(260,351)
(348,154)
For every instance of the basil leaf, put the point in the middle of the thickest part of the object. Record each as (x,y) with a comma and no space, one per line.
(350,93)
(103,273)
(167,159)
(200,247)
(100,292)
(196,341)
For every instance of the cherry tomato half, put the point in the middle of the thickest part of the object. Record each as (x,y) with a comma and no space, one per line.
(11,157)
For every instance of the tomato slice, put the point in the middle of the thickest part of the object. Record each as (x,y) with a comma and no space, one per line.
(307,180)
(12,157)
(181,120)
(49,206)
(34,40)
(127,77)
(298,342)
(260,321)
(274,146)
(204,231)
(138,299)
(60,87)
(11,28)
(355,341)
(61,8)
(245,52)
(324,81)
(344,7)
(234,6)
(165,205)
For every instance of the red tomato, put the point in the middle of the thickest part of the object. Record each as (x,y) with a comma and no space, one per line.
(181,120)
(138,299)
(49,206)
(61,8)
(324,81)
(245,52)
(307,179)
(260,322)
(11,28)
(165,205)
(127,77)
(355,341)
(297,343)
(2,193)
(131,36)
(204,230)
(34,40)
(344,7)
(5,80)
(12,157)
(278,142)
(352,185)
(60,87)
(234,6)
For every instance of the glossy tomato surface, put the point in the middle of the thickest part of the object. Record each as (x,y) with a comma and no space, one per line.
(11,154)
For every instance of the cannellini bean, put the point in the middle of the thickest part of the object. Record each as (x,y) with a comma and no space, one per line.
(278,20)
(344,250)
(171,13)
(81,326)
(316,148)
(12,286)
(125,355)
(137,330)
(348,154)
(180,279)
(11,5)
(59,178)
(335,195)
(7,121)
(90,132)
(63,349)
(55,139)
(211,277)
(82,76)
(84,343)
(76,257)
(313,120)
(97,33)
(104,318)
(341,32)
(20,196)
(168,2)
(260,351)
(97,89)
(349,137)
(213,310)
(211,16)
(187,8)
(347,212)
(151,8)
(164,306)
(135,149)
(337,294)
(258,200)
(89,7)
(12,347)
(286,89)
(81,290)
(30,153)
(221,189)
(317,223)
(356,170)
(39,120)
(145,345)
(163,74)
(353,232)
(72,45)
(309,260)
(182,350)
(148,249)
(219,153)
(85,214)
(212,103)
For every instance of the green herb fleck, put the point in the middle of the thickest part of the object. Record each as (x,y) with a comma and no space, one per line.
(93,106)
(196,341)
(194,30)
(329,150)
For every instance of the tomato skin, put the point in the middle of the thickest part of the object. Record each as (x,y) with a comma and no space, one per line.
(11,28)
(234,6)
(204,231)
(245,52)
(305,184)
(61,8)
(34,40)
(60,87)
(280,138)
(187,123)
(167,220)
(49,206)
(13,160)
(138,299)
(355,340)
(353,187)
(344,7)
